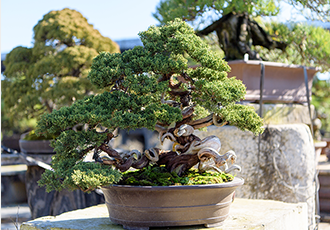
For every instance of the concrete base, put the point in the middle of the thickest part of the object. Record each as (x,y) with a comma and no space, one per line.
(244,214)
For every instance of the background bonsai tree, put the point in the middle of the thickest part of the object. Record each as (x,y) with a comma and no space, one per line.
(54,71)
(150,87)
(321,101)
(240,30)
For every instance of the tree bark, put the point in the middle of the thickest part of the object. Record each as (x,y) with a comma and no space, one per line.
(237,33)
(177,163)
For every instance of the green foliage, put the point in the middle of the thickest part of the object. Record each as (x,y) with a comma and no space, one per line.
(70,28)
(211,94)
(191,10)
(135,83)
(84,175)
(53,73)
(70,171)
(112,110)
(308,45)
(321,101)
(243,117)
(159,176)
(32,136)
(199,12)
(11,126)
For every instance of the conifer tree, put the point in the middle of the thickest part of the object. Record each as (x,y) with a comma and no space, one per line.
(152,87)
(240,29)
(53,73)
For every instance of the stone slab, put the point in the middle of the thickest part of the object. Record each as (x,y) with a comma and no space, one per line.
(11,212)
(10,170)
(244,214)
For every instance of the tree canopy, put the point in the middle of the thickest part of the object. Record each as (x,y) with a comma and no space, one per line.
(321,101)
(244,31)
(198,11)
(308,45)
(52,73)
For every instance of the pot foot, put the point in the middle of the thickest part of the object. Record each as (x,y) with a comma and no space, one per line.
(214,225)
(129,227)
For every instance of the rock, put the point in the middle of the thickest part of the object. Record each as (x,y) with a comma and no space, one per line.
(275,114)
(283,170)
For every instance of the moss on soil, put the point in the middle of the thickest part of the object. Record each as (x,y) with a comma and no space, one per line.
(32,136)
(159,176)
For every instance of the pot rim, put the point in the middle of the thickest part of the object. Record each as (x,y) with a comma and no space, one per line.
(275,64)
(236,182)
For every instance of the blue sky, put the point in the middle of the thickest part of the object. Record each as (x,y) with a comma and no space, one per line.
(116,19)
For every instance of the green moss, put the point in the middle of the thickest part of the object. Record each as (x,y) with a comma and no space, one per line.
(32,136)
(159,176)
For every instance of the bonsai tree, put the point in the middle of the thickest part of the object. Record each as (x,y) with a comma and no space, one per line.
(239,29)
(307,45)
(52,73)
(152,87)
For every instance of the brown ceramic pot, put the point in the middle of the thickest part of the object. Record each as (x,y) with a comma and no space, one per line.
(35,146)
(141,207)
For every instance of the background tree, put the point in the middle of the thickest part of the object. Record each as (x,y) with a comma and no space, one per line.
(321,101)
(52,73)
(236,22)
(239,32)
(307,45)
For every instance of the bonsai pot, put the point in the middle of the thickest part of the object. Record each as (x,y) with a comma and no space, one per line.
(282,82)
(137,207)
(35,146)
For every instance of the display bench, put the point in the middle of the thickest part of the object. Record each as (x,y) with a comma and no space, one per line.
(244,214)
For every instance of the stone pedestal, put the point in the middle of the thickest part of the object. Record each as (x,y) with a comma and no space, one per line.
(277,114)
(244,214)
(278,165)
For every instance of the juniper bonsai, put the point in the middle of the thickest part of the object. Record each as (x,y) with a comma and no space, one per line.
(153,87)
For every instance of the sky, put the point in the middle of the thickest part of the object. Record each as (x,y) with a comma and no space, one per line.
(116,19)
